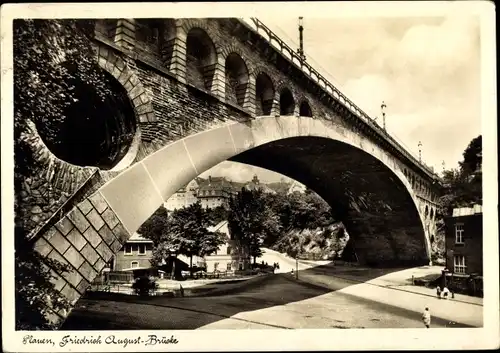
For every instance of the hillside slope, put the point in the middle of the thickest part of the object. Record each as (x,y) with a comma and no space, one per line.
(322,243)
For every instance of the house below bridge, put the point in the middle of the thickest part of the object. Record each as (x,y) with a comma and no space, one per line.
(464,250)
(228,257)
(135,256)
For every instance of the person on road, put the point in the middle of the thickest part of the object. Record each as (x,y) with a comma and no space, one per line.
(438,292)
(426,318)
(446,293)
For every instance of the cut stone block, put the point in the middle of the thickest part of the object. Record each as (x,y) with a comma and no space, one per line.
(90,254)
(78,219)
(98,202)
(92,236)
(85,206)
(64,225)
(57,240)
(76,238)
(95,219)
(74,257)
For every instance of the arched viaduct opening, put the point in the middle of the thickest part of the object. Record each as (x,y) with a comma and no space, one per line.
(365,190)
(98,128)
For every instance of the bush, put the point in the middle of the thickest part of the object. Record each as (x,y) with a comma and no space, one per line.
(144,286)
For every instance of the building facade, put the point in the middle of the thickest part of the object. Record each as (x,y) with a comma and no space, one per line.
(184,197)
(464,241)
(215,192)
(135,254)
(228,257)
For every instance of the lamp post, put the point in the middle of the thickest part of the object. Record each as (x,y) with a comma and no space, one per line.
(420,151)
(382,107)
(300,50)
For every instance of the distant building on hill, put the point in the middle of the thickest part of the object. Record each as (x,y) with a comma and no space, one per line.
(184,197)
(215,192)
(255,184)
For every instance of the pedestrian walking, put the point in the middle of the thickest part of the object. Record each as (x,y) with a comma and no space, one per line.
(446,293)
(438,292)
(426,318)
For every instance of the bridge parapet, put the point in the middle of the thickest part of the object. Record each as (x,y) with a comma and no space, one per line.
(294,58)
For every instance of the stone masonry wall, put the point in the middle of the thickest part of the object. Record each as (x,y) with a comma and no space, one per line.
(85,239)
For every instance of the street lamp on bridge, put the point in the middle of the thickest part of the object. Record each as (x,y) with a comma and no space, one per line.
(300,50)
(382,107)
(420,151)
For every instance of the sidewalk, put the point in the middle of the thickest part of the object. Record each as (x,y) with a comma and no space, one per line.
(392,289)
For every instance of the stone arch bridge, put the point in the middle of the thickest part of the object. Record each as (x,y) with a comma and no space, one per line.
(194,93)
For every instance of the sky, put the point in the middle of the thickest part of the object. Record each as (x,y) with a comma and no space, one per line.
(425,69)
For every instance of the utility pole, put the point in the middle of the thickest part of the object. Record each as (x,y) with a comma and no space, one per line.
(297,266)
(382,107)
(300,50)
(420,151)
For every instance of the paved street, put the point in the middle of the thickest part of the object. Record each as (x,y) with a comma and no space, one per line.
(274,301)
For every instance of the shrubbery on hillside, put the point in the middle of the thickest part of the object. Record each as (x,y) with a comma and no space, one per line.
(321,243)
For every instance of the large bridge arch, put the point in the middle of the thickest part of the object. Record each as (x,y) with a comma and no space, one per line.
(161,174)
(97,227)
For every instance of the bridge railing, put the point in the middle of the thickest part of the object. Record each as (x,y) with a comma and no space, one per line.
(257,26)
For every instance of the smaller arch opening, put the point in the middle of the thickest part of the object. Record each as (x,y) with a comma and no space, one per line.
(287,103)
(432,213)
(305,109)
(426,213)
(264,94)
(236,79)
(200,59)
(148,35)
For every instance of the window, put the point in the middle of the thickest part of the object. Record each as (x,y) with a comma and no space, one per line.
(127,249)
(228,250)
(142,249)
(134,264)
(216,265)
(459,262)
(228,266)
(459,233)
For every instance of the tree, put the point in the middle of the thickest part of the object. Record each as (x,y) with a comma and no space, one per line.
(41,93)
(463,186)
(189,233)
(218,214)
(250,220)
(157,228)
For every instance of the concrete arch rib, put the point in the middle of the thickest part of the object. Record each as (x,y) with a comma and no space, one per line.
(159,175)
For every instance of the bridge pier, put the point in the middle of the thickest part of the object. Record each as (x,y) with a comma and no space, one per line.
(84,240)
